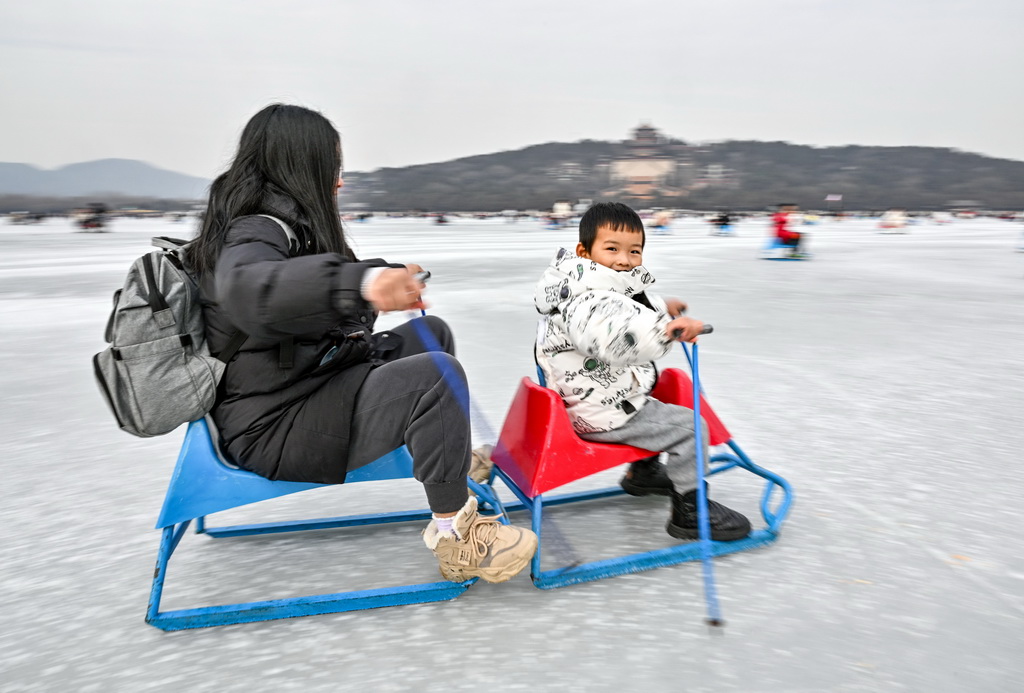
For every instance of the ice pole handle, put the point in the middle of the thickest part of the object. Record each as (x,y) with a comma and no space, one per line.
(707,329)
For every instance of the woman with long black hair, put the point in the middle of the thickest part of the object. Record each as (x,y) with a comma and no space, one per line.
(311,393)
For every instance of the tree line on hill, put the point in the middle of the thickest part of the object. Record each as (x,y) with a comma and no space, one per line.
(750,175)
(47,204)
(739,175)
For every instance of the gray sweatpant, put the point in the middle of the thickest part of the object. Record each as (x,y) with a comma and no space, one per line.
(407,400)
(664,427)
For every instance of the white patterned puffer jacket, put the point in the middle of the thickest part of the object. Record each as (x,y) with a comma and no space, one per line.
(596,344)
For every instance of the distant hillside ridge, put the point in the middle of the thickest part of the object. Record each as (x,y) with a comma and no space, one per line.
(123,177)
(735,174)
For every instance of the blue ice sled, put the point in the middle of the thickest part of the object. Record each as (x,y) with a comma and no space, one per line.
(203,483)
(774,249)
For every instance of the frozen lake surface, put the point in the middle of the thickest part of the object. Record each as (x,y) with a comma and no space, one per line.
(884,379)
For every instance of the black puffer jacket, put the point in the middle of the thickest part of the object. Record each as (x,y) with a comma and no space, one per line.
(294,307)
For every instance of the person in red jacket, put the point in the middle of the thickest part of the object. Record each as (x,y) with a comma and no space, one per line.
(783,232)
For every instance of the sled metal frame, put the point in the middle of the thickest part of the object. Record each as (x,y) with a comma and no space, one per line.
(647,560)
(203,483)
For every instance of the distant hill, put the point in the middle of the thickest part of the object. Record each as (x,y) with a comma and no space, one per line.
(736,174)
(124,177)
(530,178)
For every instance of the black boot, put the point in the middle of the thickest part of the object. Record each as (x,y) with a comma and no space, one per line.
(726,524)
(647,477)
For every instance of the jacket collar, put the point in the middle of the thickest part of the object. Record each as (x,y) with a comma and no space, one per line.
(587,275)
(569,275)
(283,206)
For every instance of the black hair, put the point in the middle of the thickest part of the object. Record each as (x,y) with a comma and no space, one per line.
(617,216)
(287,165)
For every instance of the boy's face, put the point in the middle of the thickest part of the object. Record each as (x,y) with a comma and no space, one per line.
(617,249)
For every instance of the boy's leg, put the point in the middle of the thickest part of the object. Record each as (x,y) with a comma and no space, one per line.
(646,477)
(669,427)
(660,426)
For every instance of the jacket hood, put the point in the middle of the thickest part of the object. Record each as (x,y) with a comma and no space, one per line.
(569,275)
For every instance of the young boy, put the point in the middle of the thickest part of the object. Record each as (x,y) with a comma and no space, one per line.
(602,333)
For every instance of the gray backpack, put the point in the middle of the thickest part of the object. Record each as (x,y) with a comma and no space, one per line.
(158,372)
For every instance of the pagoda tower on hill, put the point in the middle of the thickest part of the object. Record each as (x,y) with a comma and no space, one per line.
(650,167)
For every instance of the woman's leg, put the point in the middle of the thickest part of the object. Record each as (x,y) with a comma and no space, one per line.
(409,402)
(407,340)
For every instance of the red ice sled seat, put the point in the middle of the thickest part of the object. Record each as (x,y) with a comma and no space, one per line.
(539,450)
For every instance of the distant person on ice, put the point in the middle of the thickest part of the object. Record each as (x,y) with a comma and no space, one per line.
(312,393)
(603,331)
(786,235)
(722,223)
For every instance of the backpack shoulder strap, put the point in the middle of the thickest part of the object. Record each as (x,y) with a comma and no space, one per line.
(162,313)
(168,243)
(294,246)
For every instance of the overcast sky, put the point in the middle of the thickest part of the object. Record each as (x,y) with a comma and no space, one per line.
(415,81)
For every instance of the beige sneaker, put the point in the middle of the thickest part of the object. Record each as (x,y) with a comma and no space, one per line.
(480,547)
(480,465)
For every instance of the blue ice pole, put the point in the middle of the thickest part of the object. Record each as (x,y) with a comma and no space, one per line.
(461,391)
(703,525)
(458,386)
(689,361)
